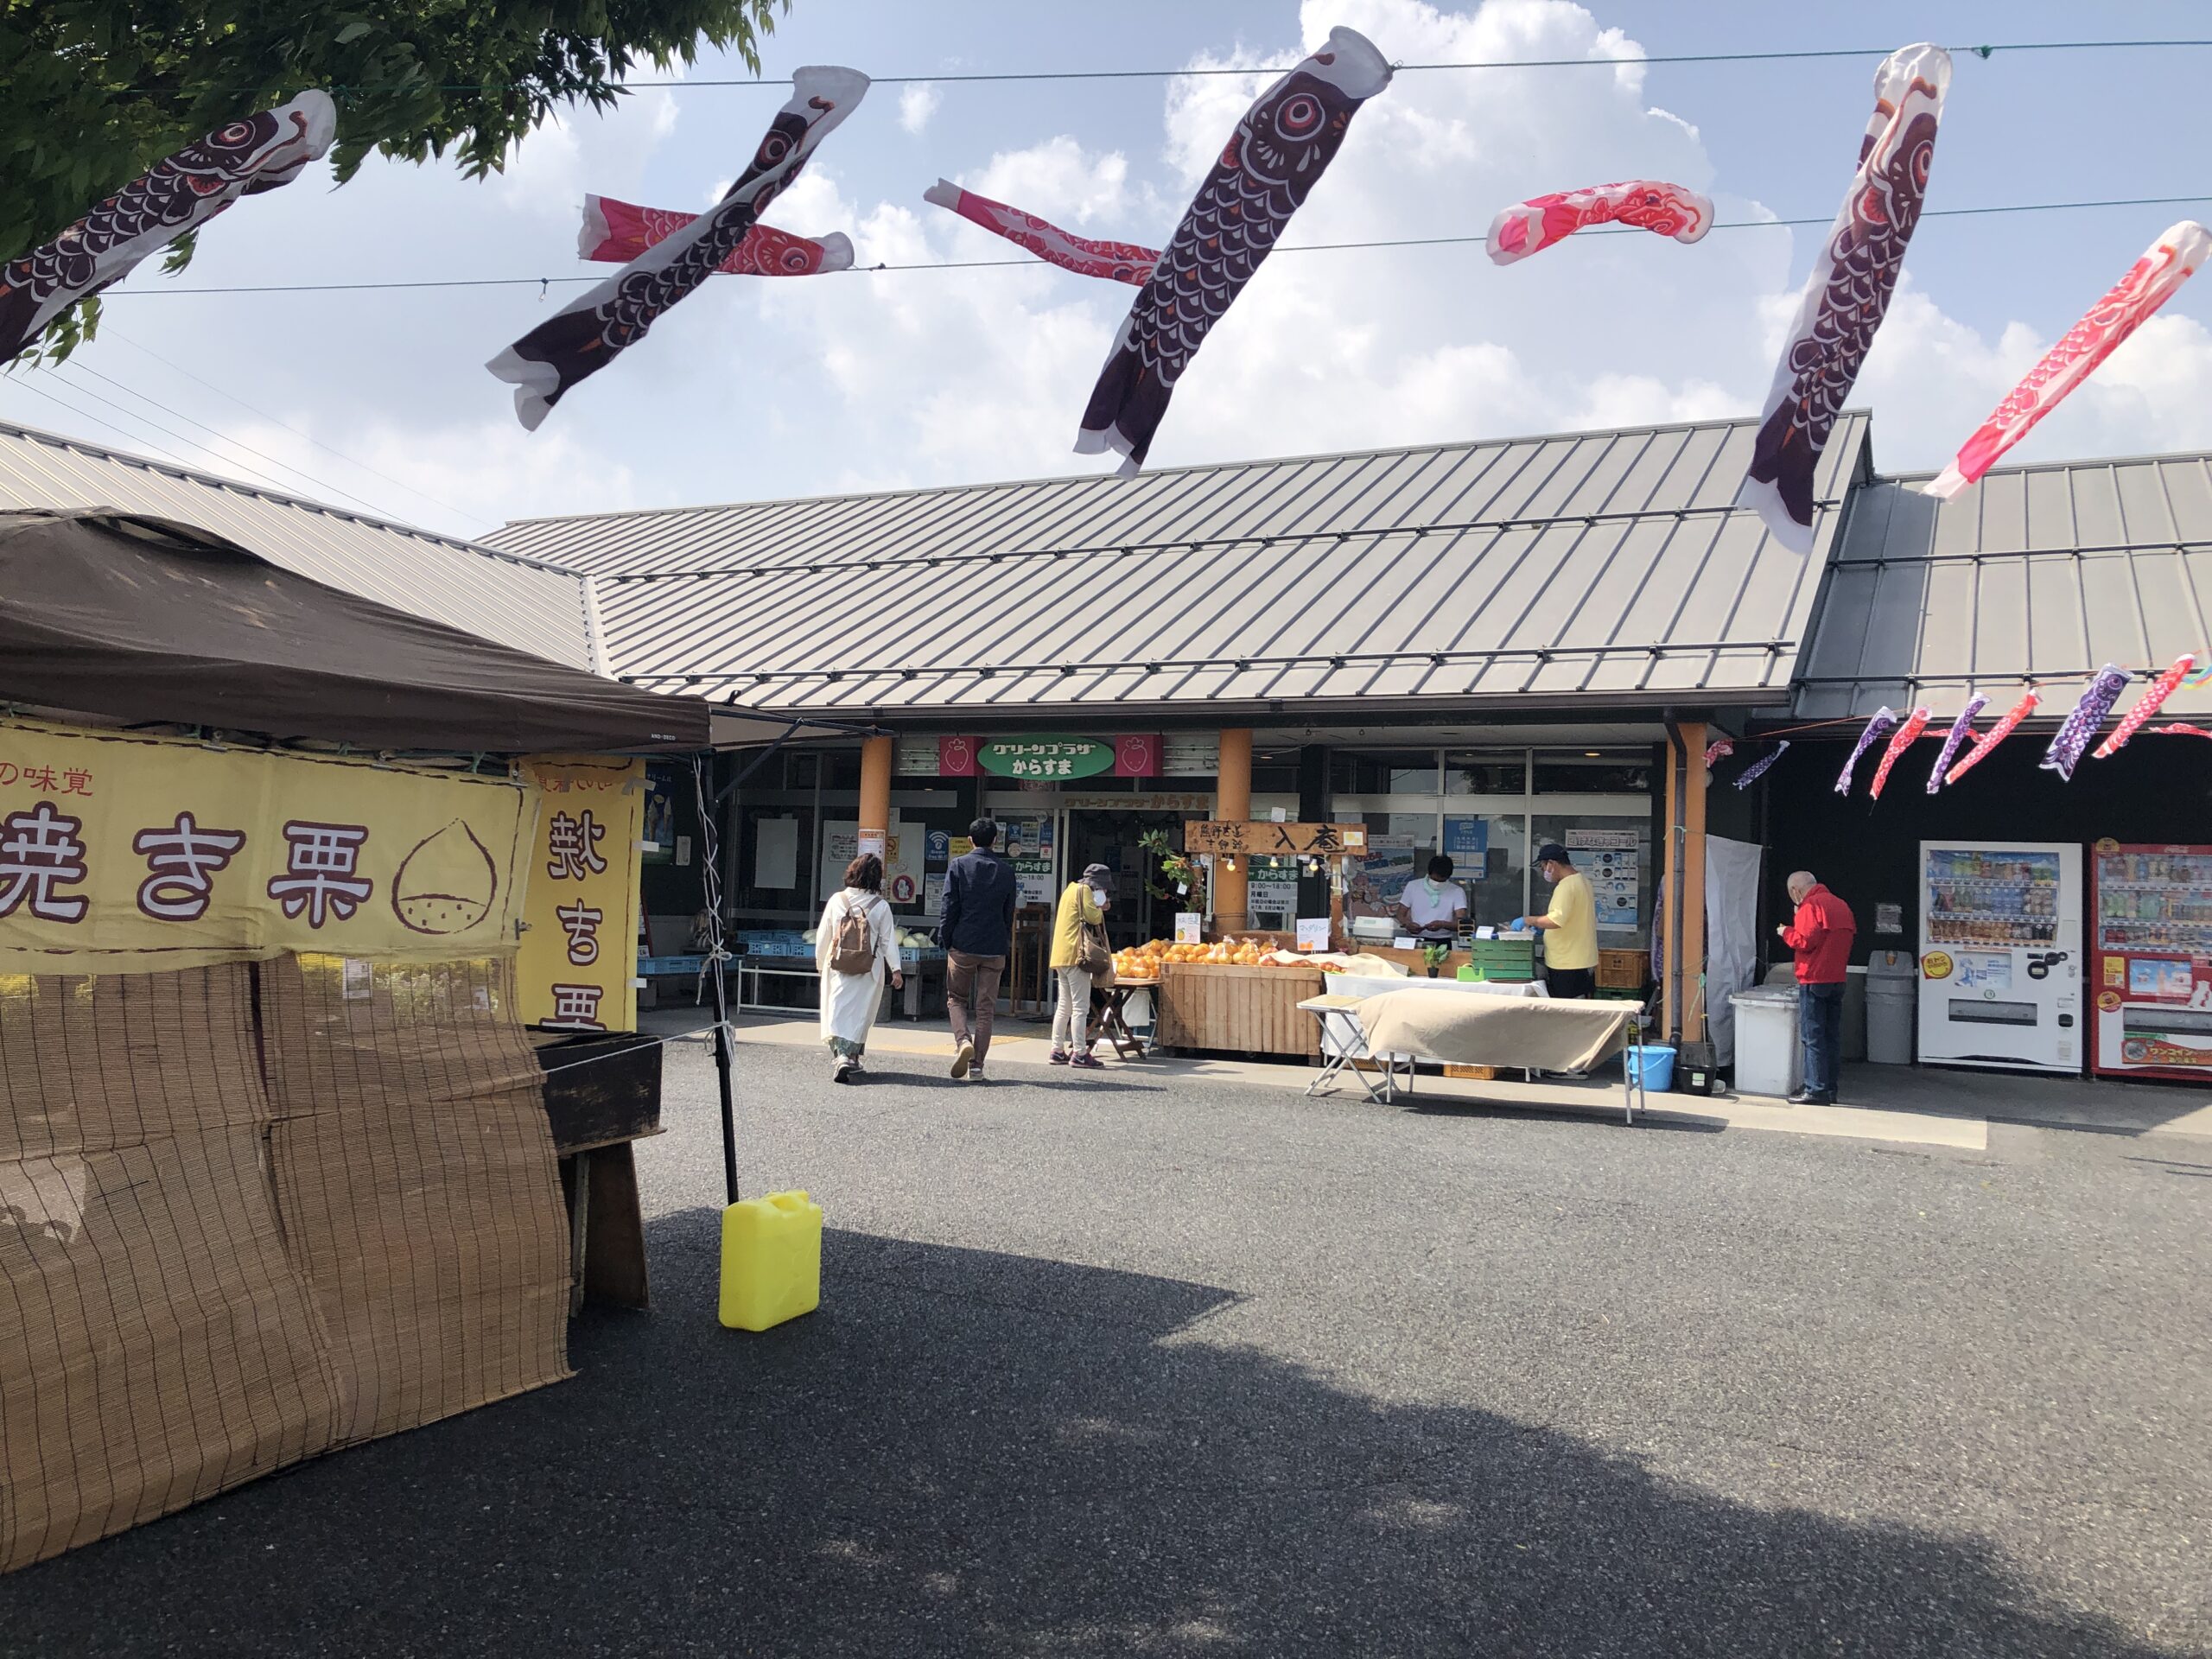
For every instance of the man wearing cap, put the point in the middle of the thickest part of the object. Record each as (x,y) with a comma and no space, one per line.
(1571,951)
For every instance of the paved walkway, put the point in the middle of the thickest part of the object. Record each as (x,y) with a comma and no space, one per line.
(1909,1105)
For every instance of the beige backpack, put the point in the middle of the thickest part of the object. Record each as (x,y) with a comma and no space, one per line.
(853,951)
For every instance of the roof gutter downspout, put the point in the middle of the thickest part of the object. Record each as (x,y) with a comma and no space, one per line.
(1677,846)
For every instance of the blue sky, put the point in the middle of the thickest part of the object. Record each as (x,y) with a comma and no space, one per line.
(756,389)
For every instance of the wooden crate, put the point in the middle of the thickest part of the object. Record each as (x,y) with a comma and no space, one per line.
(1622,971)
(1239,1010)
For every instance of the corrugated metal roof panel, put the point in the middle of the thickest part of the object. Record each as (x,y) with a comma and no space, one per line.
(1551,565)
(2039,574)
(491,593)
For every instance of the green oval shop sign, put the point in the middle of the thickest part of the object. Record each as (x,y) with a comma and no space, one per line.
(1045,757)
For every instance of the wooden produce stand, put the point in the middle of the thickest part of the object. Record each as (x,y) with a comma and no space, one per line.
(1238,1010)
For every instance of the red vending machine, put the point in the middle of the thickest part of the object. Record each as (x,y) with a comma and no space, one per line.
(2150,951)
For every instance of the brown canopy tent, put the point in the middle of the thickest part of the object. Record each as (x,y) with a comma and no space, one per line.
(134,618)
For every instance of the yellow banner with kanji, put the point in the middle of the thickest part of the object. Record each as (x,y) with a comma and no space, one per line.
(128,854)
(579,960)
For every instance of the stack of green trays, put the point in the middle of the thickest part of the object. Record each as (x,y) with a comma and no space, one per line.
(1506,959)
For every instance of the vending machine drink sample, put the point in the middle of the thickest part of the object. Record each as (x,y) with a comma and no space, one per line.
(2000,955)
(2152,978)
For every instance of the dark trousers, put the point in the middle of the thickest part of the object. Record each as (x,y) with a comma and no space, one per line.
(1570,981)
(1819,1034)
(971,997)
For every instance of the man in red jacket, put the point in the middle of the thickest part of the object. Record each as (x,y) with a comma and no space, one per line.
(1821,935)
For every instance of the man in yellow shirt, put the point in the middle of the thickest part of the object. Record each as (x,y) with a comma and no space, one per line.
(1570,952)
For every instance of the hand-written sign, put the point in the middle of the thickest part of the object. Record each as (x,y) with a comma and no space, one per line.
(1045,758)
(121,853)
(578,957)
(1274,840)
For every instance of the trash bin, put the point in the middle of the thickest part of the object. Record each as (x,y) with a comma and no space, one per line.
(1768,1059)
(1892,1002)
(1854,1045)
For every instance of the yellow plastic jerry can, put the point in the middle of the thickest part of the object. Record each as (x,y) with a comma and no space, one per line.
(772,1260)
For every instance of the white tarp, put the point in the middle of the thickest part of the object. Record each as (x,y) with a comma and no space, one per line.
(1732,946)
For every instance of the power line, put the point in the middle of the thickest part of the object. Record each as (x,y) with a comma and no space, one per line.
(178,414)
(308,437)
(24,384)
(678,83)
(1302,247)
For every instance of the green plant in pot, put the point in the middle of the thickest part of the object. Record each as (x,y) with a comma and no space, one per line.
(1435,954)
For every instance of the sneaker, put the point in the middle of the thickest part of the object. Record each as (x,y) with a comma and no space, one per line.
(976,1075)
(1060,1057)
(964,1058)
(842,1072)
(1088,1063)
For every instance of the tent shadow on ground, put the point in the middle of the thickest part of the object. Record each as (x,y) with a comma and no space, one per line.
(972,1452)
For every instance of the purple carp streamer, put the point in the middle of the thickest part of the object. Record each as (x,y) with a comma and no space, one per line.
(256,153)
(1962,729)
(1880,726)
(1848,294)
(1271,163)
(1757,769)
(2082,724)
(588,334)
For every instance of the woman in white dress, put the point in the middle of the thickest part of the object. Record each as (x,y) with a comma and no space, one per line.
(852,962)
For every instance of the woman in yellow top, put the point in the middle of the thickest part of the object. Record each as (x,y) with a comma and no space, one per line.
(1080,907)
(1571,951)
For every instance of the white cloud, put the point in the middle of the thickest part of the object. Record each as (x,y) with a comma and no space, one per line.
(572,154)
(917,102)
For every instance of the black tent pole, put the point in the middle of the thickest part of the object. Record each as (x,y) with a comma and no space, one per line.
(710,890)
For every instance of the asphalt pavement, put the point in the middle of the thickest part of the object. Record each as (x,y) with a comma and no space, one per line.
(1127,1364)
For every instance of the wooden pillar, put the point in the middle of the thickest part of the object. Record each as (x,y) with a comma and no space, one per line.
(1693,1006)
(1232,903)
(875,792)
(1669,921)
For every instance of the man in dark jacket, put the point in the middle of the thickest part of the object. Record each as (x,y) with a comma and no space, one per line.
(977,931)
(1821,935)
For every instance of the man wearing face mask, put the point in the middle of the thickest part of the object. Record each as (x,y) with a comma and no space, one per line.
(1433,908)
(1571,925)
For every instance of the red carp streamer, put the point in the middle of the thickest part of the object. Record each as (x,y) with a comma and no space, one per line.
(2150,282)
(1118,262)
(618,232)
(1996,734)
(1647,204)
(2146,705)
(1916,723)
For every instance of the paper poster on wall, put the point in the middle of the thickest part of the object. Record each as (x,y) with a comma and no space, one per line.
(1271,897)
(1466,843)
(1189,927)
(1373,884)
(775,854)
(933,895)
(900,851)
(1610,859)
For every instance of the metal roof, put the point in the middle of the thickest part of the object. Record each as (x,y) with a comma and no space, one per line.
(2039,574)
(517,602)
(1588,568)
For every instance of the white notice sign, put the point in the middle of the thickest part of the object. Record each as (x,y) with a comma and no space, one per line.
(1312,933)
(1189,925)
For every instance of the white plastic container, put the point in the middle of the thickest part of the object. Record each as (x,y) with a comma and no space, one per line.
(1768,1058)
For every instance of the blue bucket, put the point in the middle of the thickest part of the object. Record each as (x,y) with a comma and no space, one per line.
(1654,1063)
